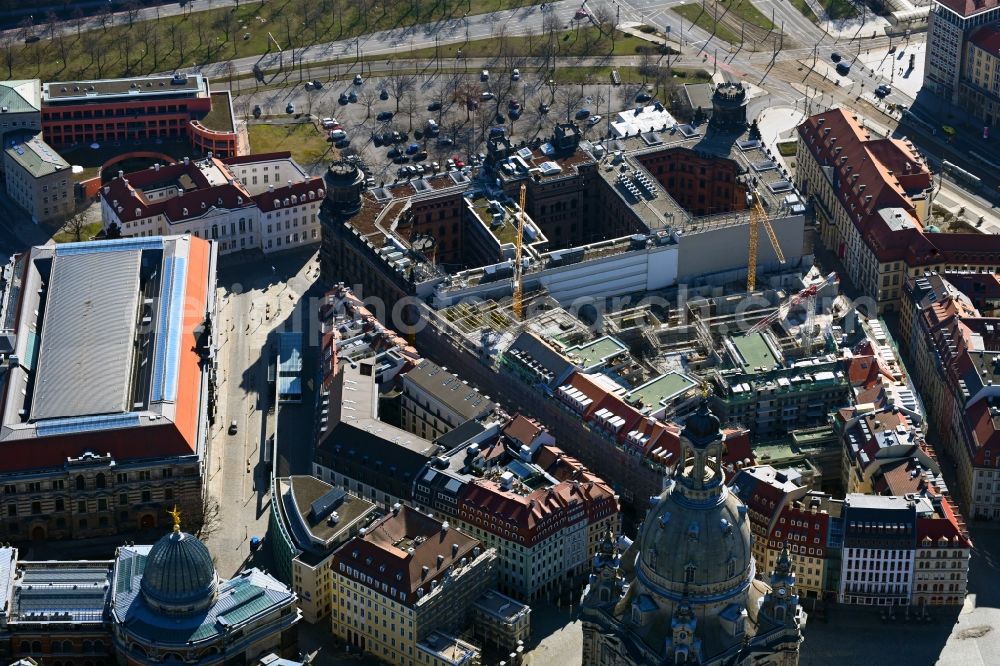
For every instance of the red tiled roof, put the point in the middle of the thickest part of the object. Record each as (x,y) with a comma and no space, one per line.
(523,429)
(385,544)
(949,526)
(967,8)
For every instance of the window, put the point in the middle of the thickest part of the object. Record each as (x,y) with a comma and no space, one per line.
(146,496)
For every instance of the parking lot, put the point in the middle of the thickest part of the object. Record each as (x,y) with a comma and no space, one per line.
(413,121)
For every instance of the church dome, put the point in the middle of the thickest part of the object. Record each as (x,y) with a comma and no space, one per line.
(695,540)
(179,576)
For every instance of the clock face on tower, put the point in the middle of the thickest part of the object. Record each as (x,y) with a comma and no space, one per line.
(682,636)
(781,591)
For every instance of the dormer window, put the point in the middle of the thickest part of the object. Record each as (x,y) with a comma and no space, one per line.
(689,573)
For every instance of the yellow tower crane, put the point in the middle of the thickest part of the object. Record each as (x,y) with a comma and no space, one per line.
(518,286)
(758,218)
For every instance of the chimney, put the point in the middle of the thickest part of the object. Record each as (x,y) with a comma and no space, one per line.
(121,173)
(187,160)
(440,561)
(156,167)
(454,549)
(444,527)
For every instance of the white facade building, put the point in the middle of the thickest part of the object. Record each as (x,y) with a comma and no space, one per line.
(265,202)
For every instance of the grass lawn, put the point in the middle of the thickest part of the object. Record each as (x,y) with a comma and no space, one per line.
(746,10)
(805,10)
(86,233)
(179,42)
(219,118)
(788,148)
(840,9)
(693,12)
(307,144)
(628,74)
(587,41)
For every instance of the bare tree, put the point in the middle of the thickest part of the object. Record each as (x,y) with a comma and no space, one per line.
(78,20)
(132,10)
(570,98)
(7,42)
(368,97)
(153,42)
(74,226)
(606,23)
(399,86)
(211,518)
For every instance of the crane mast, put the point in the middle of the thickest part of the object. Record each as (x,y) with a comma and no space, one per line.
(759,218)
(518,285)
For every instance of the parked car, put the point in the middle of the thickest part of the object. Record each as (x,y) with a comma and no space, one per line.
(582,113)
(458,162)
(450,164)
(487,95)
(233,428)
(342,99)
(290,108)
(412,148)
(580,14)
(384,116)
(422,155)
(431,124)
(338,134)
(497,131)
(836,57)
(843,68)
(328,123)
(513,103)
(434,106)
(594,120)
(515,113)
(257,111)
(485,75)
(435,166)
(377,140)
(383,94)
(643,97)
(515,75)
(309,85)
(445,141)
(352,97)
(883,90)
(317,84)
(543,108)
(358,80)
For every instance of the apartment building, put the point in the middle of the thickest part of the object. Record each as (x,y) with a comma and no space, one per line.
(84,458)
(954,352)
(950,25)
(262,202)
(435,401)
(310,519)
(880,541)
(406,586)
(884,454)
(37,178)
(785,513)
(941,570)
(766,395)
(903,550)
(541,510)
(20,106)
(980,86)
(357,451)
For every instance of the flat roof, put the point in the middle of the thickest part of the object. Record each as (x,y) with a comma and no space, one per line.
(661,389)
(449,390)
(35,156)
(131,88)
(85,357)
(49,593)
(755,352)
(596,351)
(312,531)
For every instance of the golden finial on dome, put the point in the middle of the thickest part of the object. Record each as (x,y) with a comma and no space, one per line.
(176,515)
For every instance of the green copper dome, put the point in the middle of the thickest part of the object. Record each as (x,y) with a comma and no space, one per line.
(179,576)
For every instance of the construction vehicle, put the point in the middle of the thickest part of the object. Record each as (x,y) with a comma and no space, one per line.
(518,277)
(758,218)
(808,294)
